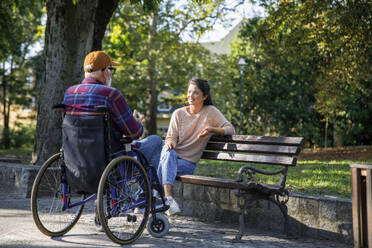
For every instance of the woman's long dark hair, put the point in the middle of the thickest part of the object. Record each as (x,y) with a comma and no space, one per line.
(203,85)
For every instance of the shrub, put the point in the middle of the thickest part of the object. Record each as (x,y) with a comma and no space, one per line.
(22,136)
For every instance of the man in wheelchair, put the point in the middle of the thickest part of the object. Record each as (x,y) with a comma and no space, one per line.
(83,135)
(97,164)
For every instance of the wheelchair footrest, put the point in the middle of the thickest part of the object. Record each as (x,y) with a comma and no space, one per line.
(161,209)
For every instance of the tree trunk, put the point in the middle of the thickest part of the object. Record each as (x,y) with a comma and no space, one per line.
(337,135)
(6,136)
(152,106)
(69,36)
(7,102)
(104,12)
(152,99)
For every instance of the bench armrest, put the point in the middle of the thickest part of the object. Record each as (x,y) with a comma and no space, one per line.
(250,171)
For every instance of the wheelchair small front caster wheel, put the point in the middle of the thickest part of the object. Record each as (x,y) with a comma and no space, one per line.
(131,218)
(159,227)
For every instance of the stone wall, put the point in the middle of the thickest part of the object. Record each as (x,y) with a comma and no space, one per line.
(324,217)
(314,216)
(17,179)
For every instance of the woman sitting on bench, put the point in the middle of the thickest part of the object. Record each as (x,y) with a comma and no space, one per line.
(189,131)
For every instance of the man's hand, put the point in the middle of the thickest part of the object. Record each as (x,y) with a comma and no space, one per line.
(139,117)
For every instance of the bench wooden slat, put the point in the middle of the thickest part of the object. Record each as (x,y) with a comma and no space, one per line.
(264,140)
(271,149)
(262,159)
(210,181)
(223,183)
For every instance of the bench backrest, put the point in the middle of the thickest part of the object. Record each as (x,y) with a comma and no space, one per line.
(254,149)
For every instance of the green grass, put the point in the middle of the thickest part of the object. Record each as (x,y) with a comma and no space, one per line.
(23,153)
(311,176)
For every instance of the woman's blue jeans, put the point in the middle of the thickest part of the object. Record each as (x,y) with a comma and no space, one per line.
(171,165)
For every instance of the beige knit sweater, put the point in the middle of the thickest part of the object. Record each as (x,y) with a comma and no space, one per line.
(184,129)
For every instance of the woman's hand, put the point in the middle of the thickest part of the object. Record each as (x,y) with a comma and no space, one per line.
(205,132)
(209,130)
(168,146)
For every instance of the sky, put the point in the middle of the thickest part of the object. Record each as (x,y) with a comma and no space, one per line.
(247,10)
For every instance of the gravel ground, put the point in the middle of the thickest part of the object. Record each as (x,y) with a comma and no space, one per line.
(17,229)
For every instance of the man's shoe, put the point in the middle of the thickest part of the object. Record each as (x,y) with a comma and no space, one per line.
(173,206)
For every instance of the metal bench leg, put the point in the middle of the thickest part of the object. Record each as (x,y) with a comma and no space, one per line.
(242,208)
(241,226)
(284,210)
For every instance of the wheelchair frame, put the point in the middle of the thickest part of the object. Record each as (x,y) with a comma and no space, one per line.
(126,184)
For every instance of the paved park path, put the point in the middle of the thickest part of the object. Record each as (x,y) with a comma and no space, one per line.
(17,229)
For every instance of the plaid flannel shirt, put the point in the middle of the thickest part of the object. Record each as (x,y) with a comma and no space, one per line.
(80,99)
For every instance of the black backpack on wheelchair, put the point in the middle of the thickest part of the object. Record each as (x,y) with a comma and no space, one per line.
(86,146)
(85,151)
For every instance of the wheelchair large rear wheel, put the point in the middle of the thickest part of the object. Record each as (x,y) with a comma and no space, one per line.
(47,206)
(124,200)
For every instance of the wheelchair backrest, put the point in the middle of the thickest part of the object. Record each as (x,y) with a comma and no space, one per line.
(84,145)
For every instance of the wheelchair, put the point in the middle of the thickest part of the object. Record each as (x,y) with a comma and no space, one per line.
(126,184)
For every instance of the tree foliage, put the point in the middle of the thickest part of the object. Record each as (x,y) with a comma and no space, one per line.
(152,52)
(19,26)
(19,29)
(309,62)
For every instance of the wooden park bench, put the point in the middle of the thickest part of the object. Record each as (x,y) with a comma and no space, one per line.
(255,150)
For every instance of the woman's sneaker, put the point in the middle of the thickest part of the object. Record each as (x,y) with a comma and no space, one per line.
(158,204)
(173,206)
